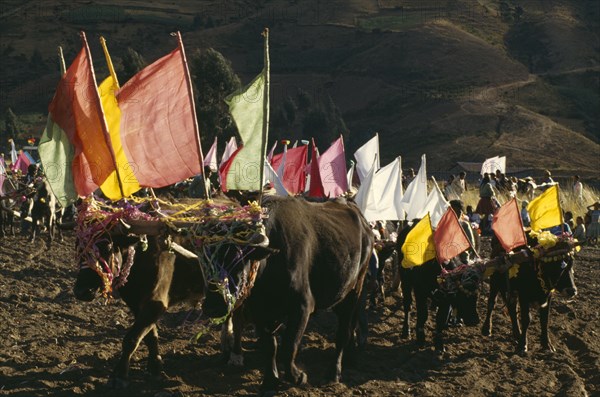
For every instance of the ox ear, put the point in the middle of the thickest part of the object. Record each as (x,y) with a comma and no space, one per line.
(259,253)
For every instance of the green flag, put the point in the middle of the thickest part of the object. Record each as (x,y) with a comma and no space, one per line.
(247,106)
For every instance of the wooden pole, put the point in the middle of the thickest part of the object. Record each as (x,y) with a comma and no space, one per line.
(265,131)
(191,94)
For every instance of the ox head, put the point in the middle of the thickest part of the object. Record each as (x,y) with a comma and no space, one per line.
(100,261)
(466,299)
(554,266)
(231,271)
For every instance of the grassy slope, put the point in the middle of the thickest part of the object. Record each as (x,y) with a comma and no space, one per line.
(415,73)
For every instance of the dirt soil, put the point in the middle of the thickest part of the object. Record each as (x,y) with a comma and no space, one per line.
(52,344)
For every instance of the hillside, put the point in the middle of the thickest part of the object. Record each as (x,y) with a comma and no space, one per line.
(461,80)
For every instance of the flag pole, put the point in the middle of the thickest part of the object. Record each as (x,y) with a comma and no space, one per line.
(61,61)
(265,131)
(191,94)
(101,113)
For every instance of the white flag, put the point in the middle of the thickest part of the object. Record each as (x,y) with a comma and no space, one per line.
(271,176)
(416,192)
(211,157)
(364,156)
(493,164)
(230,148)
(435,204)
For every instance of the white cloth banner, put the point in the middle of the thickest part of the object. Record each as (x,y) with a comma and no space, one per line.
(415,196)
(364,156)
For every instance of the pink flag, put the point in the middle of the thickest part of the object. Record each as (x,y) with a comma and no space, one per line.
(294,178)
(158,129)
(508,227)
(332,167)
(22,163)
(316,187)
(211,157)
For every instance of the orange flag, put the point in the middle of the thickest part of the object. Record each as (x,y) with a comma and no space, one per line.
(508,227)
(450,238)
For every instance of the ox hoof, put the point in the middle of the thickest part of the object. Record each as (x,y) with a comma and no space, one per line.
(155,367)
(236,360)
(118,383)
(522,351)
(548,347)
(486,331)
(300,378)
(405,334)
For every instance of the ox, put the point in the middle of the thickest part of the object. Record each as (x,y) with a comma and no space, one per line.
(423,282)
(532,282)
(324,250)
(157,279)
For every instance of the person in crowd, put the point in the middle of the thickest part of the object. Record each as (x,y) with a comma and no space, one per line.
(568,218)
(459,185)
(525,218)
(487,204)
(579,231)
(547,181)
(449,189)
(593,229)
(578,189)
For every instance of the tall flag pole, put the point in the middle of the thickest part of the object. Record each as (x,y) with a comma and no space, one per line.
(265,131)
(61,61)
(191,93)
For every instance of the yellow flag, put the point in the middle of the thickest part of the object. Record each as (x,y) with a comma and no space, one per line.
(545,211)
(112,113)
(419,246)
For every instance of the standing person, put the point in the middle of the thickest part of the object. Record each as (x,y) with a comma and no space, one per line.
(449,189)
(525,218)
(459,185)
(487,203)
(579,231)
(547,181)
(578,189)
(593,230)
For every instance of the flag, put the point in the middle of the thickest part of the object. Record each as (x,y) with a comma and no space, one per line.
(450,238)
(293,175)
(332,167)
(2,167)
(436,205)
(419,246)
(415,196)
(493,164)
(316,186)
(247,106)
(271,175)
(230,148)
(210,160)
(73,148)
(365,196)
(508,226)
(13,152)
(123,182)
(270,156)
(545,211)
(385,197)
(22,163)
(350,174)
(158,126)
(364,156)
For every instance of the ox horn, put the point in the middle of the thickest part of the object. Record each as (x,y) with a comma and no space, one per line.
(259,240)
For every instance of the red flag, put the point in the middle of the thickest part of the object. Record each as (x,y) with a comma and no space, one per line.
(316,187)
(294,178)
(508,227)
(332,166)
(450,238)
(158,128)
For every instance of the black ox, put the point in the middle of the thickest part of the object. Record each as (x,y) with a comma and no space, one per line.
(532,282)
(423,282)
(321,263)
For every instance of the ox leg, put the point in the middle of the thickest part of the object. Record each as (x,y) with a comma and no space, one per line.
(486,328)
(441,321)
(268,346)
(231,338)
(406,303)
(155,363)
(347,320)
(296,325)
(511,303)
(544,317)
(396,279)
(525,320)
(143,324)
(422,314)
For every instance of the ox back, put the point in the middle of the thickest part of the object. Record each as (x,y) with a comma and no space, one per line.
(534,282)
(324,249)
